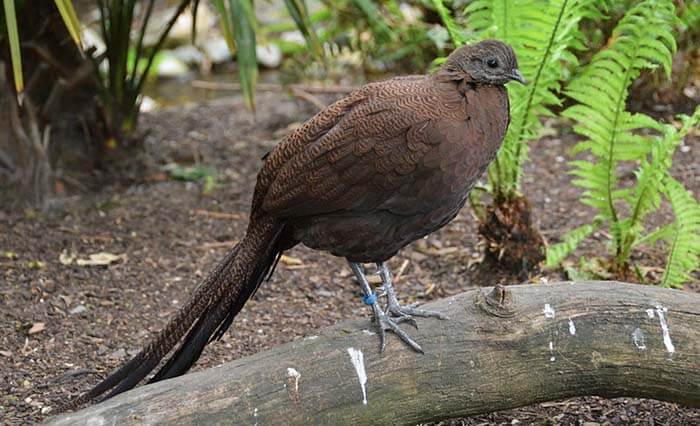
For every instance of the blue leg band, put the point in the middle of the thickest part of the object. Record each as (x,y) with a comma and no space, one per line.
(370,299)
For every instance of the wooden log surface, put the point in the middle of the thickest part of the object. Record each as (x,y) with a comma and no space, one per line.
(500,349)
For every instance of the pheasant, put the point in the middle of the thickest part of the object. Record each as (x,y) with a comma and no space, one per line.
(386,165)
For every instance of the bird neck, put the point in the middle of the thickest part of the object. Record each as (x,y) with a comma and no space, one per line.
(448,73)
(452,78)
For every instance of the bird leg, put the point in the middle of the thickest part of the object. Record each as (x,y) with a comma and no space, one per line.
(383,321)
(393,306)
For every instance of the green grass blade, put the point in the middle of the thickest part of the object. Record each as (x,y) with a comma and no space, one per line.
(193,35)
(375,19)
(15,54)
(155,49)
(70,20)
(299,13)
(225,25)
(243,20)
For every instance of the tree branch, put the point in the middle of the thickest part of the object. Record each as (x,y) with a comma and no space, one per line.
(502,348)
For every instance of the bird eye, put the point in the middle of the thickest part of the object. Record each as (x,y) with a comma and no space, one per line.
(492,63)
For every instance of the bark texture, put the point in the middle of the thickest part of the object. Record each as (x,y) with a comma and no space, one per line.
(502,348)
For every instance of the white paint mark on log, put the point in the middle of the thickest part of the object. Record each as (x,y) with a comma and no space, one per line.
(660,311)
(572,327)
(638,339)
(548,311)
(358,361)
(95,421)
(294,375)
(551,349)
(650,313)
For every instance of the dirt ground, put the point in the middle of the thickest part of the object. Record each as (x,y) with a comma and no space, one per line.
(64,326)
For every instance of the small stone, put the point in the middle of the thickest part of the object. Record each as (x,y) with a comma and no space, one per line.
(269,55)
(118,354)
(324,293)
(46,409)
(188,54)
(91,38)
(37,327)
(78,310)
(148,104)
(293,37)
(216,50)
(170,66)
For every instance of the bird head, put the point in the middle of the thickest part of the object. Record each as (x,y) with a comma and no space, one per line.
(489,62)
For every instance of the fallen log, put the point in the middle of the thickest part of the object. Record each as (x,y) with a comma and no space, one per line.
(503,347)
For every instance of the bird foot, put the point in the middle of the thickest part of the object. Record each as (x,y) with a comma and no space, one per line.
(386,323)
(410,311)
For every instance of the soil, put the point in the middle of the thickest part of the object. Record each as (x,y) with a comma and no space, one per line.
(64,326)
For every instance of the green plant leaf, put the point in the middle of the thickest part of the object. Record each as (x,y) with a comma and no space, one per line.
(558,252)
(684,253)
(299,13)
(225,25)
(452,29)
(641,40)
(15,53)
(375,19)
(70,20)
(244,25)
(542,33)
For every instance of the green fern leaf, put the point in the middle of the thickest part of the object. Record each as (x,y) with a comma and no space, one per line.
(542,33)
(558,252)
(643,39)
(684,254)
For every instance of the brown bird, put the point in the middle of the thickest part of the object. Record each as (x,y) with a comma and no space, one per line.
(389,164)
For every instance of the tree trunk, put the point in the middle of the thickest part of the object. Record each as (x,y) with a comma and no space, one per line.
(502,348)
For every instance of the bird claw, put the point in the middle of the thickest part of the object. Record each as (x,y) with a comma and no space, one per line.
(384,322)
(409,311)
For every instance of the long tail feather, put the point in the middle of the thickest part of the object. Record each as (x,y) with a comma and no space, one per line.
(211,308)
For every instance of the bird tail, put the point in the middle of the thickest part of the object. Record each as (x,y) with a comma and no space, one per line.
(205,317)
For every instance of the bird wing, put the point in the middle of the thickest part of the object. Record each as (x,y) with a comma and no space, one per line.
(381,152)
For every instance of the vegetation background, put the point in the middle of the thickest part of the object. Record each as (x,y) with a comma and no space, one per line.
(611,112)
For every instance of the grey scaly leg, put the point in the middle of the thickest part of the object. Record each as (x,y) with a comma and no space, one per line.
(382,320)
(393,303)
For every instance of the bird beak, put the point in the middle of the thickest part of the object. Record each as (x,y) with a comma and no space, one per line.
(515,75)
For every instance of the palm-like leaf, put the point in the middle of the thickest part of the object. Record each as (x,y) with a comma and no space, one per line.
(244,24)
(70,19)
(299,13)
(13,39)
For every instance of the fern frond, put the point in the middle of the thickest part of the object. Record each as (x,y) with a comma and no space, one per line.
(542,33)
(684,253)
(690,17)
(646,196)
(558,252)
(643,39)
(455,35)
